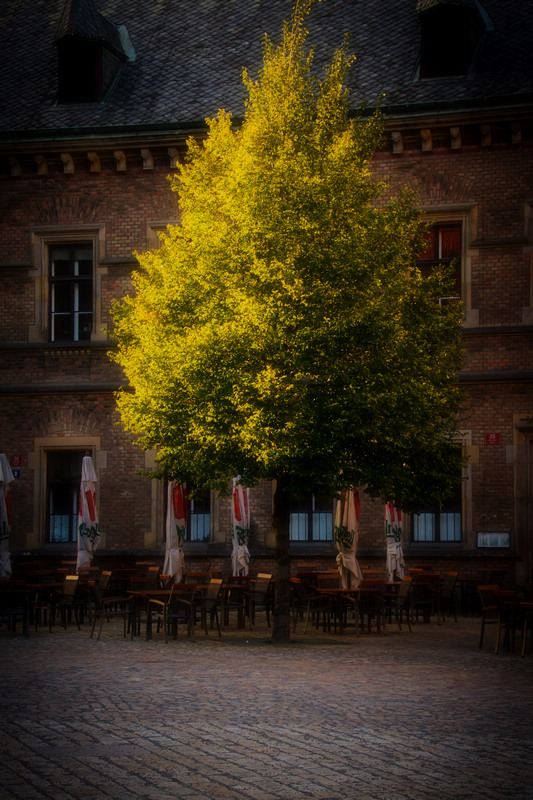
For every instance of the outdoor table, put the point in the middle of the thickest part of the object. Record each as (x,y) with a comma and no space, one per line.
(240,590)
(41,596)
(336,596)
(510,616)
(372,602)
(426,594)
(137,596)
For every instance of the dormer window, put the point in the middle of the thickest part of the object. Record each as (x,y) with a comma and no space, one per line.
(86,70)
(450,33)
(90,53)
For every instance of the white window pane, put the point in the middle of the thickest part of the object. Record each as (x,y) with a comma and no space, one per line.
(322,526)
(450,527)
(298,527)
(424,527)
(200,527)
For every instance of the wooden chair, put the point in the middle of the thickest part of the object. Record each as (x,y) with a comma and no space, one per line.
(372,605)
(235,597)
(489,608)
(527,627)
(107,606)
(169,612)
(305,602)
(447,595)
(209,604)
(426,595)
(260,597)
(510,618)
(64,604)
(332,604)
(399,602)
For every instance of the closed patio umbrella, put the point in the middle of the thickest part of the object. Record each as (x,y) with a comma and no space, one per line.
(88,527)
(240,529)
(393,536)
(177,508)
(347,537)
(6,476)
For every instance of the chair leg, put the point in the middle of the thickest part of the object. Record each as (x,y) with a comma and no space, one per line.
(527,626)
(482,632)
(101,625)
(498,634)
(215,610)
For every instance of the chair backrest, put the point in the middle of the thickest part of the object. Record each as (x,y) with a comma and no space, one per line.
(487,597)
(261,585)
(309,579)
(299,590)
(103,581)
(213,589)
(448,581)
(71,582)
(142,566)
(328,580)
(238,579)
(200,578)
(404,587)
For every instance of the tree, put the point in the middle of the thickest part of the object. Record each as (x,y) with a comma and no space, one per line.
(283,331)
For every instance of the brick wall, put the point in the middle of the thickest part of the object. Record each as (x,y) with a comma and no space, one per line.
(491,182)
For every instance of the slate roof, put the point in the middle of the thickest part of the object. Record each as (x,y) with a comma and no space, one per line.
(80,18)
(190,55)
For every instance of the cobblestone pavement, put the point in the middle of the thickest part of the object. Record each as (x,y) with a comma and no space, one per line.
(403,716)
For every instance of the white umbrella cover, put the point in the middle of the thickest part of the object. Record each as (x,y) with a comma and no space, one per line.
(6,476)
(88,527)
(393,536)
(240,529)
(347,537)
(177,508)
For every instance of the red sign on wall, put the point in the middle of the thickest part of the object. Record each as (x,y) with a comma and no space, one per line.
(17,461)
(492,438)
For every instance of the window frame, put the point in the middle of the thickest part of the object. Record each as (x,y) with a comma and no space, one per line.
(427,265)
(43,239)
(449,38)
(466,215)
(309,518)
(37,461)
(73,284)
(464,441)
(74,485)
(191,532)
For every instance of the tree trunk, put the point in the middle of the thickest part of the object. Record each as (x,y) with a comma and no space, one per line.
(281,625)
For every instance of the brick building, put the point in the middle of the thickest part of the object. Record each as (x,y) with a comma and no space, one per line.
(98,99)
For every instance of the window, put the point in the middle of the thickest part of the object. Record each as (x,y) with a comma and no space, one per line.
(63,487)
(311,519)
(449,36)
(443,247)
(441,524)
(71,292)
(90,53)
(199,523)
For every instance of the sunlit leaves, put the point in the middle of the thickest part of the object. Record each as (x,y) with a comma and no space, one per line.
(283,327)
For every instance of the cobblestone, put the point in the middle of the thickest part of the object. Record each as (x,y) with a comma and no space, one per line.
(403,716)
